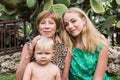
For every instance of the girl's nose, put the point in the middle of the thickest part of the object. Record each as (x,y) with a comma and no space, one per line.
(70,25)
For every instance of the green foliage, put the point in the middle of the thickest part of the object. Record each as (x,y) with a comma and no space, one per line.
(118,24)
(13,1)
(118,2)
(65,2)
(117,77)
(5,16)
(103,13)
(109,21)
(48,4)
(28,31)
(97,6)
(31,3)
(59,9)
(7,11)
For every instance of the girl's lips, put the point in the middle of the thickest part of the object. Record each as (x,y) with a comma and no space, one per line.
(72,31)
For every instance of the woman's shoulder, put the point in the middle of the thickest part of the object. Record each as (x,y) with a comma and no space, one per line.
(61,48)
(62,45)
(60,54)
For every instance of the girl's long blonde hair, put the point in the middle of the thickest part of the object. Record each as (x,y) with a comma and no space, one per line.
(90,37)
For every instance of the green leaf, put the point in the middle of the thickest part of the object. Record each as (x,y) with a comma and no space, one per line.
(105,32)
(108,4)
(97,6)
(118,2)
(118,24)
(48,4)
(13,1)
(59,9)
(109,21)
(5,16)
(65,2)
(1,7)
(7,11)
(31,3)
(73,1)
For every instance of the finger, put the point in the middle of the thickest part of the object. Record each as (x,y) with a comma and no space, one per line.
(36,38)
(59,41)
(34,41)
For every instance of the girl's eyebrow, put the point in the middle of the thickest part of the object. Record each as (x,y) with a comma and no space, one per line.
(72,19)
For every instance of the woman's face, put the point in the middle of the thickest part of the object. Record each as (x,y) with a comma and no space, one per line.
(74,23)
(47,27)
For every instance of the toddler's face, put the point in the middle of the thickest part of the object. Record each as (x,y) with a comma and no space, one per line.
(43,57)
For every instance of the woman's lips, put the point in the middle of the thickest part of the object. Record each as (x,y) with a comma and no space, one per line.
(47,32)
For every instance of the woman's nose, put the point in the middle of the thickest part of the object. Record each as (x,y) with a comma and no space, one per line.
(46,25)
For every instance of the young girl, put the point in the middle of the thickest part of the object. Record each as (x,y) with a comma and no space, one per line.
(89,48)
(42,68)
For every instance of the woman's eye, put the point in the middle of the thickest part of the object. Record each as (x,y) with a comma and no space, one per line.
(51,23)
(42,23)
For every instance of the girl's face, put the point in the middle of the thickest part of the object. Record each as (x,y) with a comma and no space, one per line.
(47,27)
(74,23)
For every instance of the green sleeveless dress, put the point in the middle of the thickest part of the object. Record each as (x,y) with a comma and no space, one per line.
(83,64)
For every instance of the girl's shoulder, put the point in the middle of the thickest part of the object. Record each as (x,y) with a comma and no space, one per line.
(101,47)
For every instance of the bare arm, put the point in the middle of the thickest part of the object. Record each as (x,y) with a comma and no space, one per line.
(26,54)
(102,64)
(28,72)
(66,67)
(25,59)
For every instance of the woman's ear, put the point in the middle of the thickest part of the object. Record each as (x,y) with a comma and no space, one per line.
(84,20)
